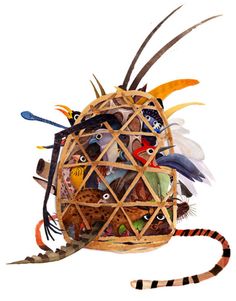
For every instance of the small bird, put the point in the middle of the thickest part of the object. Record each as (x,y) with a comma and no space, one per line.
(160,182)
(77,173)
(176,161)
(102,139)
(71,115)
(153,118)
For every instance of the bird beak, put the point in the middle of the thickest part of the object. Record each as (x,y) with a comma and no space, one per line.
(93,140)
(65,110)
(76,157)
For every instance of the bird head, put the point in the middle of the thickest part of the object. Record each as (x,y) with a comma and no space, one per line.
(79,158)
(70,114)
(144,151)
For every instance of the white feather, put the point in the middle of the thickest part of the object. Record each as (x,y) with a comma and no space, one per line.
(185,146)
(191,150)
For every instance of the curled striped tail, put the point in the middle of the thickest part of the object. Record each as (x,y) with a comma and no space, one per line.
(146,284)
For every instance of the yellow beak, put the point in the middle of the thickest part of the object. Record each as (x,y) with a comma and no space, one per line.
(65,110)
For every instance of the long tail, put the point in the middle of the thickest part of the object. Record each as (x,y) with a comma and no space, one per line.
(146,284)
(64,251)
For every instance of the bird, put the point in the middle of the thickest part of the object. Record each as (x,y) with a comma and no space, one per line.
(153,118)
(71,115)
(160,182)
(77,172)
(176,161)
(102,139)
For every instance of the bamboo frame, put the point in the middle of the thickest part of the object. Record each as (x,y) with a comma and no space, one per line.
(138,242)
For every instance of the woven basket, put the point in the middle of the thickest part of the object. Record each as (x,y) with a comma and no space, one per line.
(112,104)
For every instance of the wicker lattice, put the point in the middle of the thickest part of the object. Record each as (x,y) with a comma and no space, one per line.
(114,104)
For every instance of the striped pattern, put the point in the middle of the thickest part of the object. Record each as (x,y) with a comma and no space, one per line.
(147,284)
(64,251)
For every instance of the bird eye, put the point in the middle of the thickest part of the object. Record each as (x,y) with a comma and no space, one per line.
(160,217)
(150,151)
(106,196)
(146,217)
(156,124)
(82,159)
(98,136)
(76,116)
(148,117)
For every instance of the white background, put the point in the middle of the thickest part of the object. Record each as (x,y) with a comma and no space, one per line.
(48,52)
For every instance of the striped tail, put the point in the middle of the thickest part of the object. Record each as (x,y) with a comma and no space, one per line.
(64,251)
(146,284)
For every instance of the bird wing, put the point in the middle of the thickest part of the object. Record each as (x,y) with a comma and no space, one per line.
(183,165)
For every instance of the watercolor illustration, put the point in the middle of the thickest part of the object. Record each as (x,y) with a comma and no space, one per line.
(123,171)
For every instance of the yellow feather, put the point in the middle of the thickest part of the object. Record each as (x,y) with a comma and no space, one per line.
(166,89)
(176,108)
(77,176)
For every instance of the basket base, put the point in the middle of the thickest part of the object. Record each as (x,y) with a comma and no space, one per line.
(128,245)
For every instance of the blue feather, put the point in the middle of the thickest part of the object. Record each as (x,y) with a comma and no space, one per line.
(29,116)
(183,165)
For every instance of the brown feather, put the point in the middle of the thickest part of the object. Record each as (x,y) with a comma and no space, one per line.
(131,67)
(153,60)
(100,86)
(95,89)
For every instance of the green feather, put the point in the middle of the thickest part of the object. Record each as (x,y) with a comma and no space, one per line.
(159,182)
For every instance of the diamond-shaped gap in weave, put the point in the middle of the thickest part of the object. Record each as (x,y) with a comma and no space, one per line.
(121,220)
(139,191)
(108,187)
(80,213)
(127,216)
(155,226)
